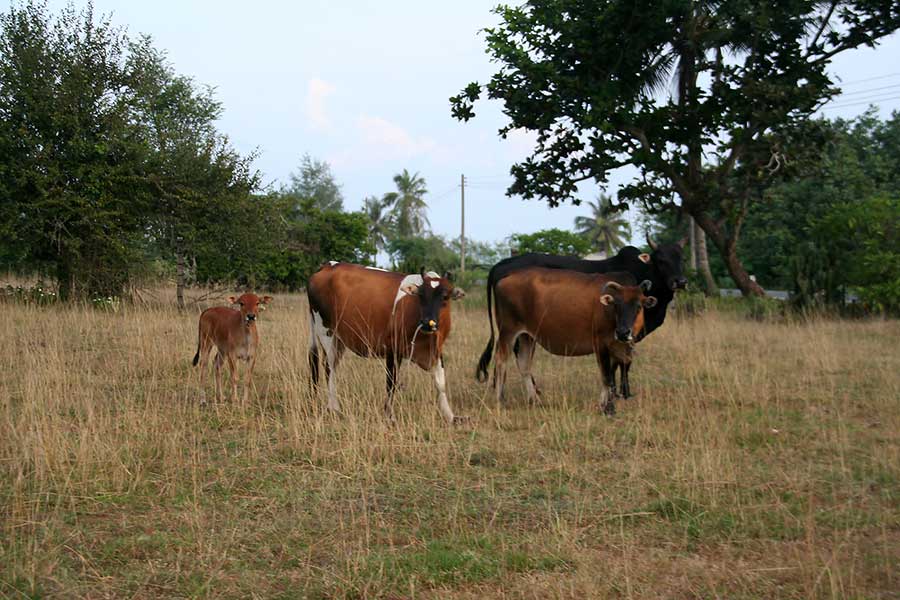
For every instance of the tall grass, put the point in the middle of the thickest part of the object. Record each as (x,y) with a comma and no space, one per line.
(760,459)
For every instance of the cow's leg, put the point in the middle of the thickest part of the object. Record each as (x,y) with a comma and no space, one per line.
(440,382)
(393,369)
(313,354)
(248,378)
(524,360)
(624,368)
(504,341)
(607,382)
(232,366)
(203,365)
(217,363)
(333,353)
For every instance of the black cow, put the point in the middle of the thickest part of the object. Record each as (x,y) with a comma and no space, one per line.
(662,267)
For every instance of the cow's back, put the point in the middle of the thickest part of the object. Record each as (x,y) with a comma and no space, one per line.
(356,303)
(219,323)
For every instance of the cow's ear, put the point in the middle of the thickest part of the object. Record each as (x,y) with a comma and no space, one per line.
(411,289)
(646,285)
(644,257)
(649,301)
(232,300)
(606,299)
(457,294)
(266,299)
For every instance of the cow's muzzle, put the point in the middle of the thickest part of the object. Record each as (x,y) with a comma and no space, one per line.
(251,318)
(624,335)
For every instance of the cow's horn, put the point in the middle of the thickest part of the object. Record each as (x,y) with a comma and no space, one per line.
(650,242)
(611,285)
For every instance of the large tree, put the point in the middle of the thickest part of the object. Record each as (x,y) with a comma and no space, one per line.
(74,185)
(591,78)
(109,159)
(198,179)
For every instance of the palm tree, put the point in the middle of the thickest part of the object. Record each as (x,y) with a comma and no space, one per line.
(408,207)
(606,230)
(380,223)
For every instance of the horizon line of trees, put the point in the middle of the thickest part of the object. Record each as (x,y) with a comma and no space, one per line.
(112,172)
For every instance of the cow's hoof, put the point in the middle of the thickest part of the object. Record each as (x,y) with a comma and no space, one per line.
(460,420)
(609,409)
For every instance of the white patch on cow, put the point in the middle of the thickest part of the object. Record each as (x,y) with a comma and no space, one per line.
(378,269)
(332,262)
(243,351)
(440,382)
(409,280)
(320,338)
(415,280)
(435,283)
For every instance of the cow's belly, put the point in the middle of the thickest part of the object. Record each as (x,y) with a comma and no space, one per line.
(566,346)
(363,343)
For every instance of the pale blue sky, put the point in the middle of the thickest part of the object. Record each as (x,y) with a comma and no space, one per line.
(365,86)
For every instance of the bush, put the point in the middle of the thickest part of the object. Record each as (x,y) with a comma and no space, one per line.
(39,293)
(690,303)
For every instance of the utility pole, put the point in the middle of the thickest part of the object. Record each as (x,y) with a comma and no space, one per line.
(462,224)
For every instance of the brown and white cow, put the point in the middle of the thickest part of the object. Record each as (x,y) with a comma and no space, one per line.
(377,313)
(233,333)
(569,314)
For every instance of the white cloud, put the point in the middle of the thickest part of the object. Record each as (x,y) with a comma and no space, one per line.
(317,91)
(379,139)
(391,138)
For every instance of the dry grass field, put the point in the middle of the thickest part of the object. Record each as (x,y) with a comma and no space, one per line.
(758,460)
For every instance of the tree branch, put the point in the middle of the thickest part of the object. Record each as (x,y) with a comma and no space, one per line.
(677,181)
(824,24)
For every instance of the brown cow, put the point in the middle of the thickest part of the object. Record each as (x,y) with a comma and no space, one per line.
(569,314)
(234,334)
(377,313)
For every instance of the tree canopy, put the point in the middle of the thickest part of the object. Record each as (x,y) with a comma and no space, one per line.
(551,241)
(314,181)
(709,100)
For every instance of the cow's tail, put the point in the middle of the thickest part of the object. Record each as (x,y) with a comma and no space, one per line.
(313,355)
(197,355)
(481,374)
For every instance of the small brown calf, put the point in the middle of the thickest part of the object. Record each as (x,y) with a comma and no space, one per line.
(233,332)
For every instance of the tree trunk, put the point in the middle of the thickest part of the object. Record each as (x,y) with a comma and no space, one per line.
(179,275)
(692,235)
(703,261)
(727,247)
(64,278)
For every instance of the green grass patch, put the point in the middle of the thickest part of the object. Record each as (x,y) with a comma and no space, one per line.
(455,561)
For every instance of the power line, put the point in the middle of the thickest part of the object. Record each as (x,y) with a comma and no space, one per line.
(888,76)
(444,193)
(875,101)
(858,92)
(874,97)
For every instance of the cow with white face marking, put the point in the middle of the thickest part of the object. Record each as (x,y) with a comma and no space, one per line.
(377,313)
